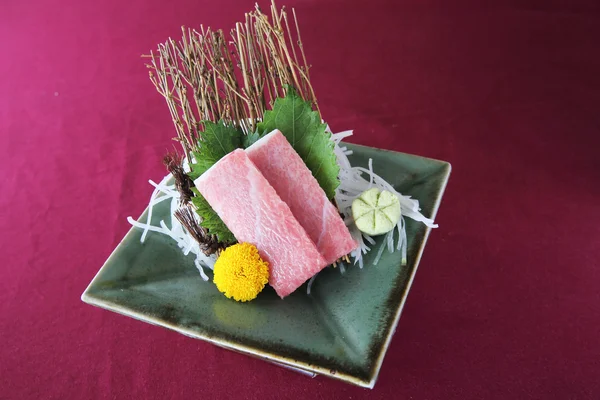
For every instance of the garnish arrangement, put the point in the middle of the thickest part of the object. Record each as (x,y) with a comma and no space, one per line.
(264,192)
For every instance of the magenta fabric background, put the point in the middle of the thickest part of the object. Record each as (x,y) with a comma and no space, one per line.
(506,303)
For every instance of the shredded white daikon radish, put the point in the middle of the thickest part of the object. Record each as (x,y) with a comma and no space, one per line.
(310,282)
(163,192)
(352,184)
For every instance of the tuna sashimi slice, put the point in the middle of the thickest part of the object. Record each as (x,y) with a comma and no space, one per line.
(277,160)
(254,213)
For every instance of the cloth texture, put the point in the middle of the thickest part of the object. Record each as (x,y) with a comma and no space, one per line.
(506,303)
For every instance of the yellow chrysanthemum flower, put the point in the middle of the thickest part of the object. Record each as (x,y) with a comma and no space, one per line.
(240,273)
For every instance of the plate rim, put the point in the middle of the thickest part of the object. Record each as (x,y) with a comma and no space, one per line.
(89,298)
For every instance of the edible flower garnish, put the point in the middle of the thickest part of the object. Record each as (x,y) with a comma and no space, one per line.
(240,273)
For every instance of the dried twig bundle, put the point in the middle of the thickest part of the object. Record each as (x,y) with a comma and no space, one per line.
(206,76)
(183,183)
(208,243)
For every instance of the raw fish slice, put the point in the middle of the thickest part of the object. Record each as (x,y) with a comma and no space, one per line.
(294,183)
(254,213)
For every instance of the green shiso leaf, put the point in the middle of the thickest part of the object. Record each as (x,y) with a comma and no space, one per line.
(306,133)
(249,139)
(210,220)
(218,139)
(297,121)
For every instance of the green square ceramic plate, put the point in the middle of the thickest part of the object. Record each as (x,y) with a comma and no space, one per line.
(342,329)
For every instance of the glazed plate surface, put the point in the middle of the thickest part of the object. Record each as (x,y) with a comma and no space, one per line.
(342,329)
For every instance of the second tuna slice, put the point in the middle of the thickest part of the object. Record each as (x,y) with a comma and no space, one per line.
(255,214)
(285,170)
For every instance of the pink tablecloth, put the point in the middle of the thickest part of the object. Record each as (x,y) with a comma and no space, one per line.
(506,303)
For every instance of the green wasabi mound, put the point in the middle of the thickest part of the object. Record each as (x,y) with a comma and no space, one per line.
(376,212)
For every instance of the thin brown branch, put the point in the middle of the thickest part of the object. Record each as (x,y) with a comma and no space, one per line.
(205,76)
(208,243)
